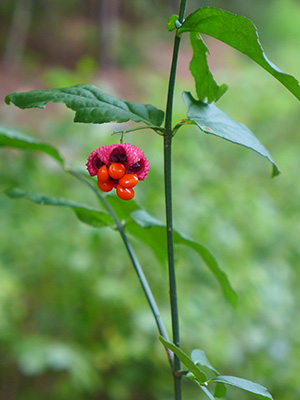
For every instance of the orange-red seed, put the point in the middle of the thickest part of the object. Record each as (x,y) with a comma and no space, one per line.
(116,170)
(125,193)
(106,186)
(103,174)
(129,180)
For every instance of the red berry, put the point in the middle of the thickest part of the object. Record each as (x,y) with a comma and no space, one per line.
(129,180)
(125,193)
(106,186)
(116,170)
(103,174)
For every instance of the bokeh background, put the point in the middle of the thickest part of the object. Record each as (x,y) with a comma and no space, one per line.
(74,322)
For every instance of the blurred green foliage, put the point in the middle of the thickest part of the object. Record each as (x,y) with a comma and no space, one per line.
(73,319)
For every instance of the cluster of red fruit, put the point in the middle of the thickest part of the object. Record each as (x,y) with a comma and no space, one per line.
(119,166)
(116,173)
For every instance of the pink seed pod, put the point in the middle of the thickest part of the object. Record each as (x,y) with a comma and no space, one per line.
(130,156)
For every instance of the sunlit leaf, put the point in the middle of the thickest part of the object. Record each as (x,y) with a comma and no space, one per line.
(152,231)
(254,388)
(16,139)
(185,359)
(240,33)
(85,214)
(91,105)
(206,87)
(210,119)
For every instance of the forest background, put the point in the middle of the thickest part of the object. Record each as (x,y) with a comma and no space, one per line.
(73,319)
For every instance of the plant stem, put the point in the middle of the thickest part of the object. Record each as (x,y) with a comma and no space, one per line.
(168,204)
(135,262)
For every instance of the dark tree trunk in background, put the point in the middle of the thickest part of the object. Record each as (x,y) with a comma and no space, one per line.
(109,11)
(18,33)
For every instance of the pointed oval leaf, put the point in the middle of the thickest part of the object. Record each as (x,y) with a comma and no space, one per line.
(91,105)
(206,86)
(254,388)
(86,214)
(199,357)
(185,359)
(16,139)
(241,34)
(153,232)
(211,120)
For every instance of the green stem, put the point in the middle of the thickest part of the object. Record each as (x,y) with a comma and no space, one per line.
(168,202)
(135,262)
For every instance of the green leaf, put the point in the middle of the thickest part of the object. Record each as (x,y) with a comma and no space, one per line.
(171,22)
(211,262)
(91,105)
(185,359)
(153,232)
(241,34)
(220,390)
(257,390)
(206,87)
(199,358)
(210,119)
(90,216)
(13,138)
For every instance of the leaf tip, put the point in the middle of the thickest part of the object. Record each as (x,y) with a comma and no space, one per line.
(276,171)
